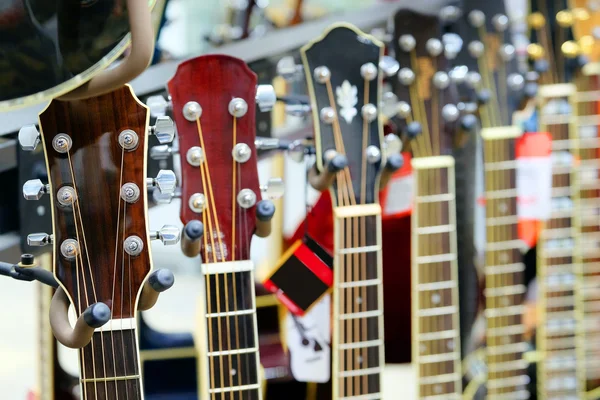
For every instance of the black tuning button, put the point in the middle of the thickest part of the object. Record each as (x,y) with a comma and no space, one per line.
(413,129)
(194,229)
(265,209)
(394,162)
(96,315)
(530,90)
(161,280)
(337,163)
(468,122)
(484,96)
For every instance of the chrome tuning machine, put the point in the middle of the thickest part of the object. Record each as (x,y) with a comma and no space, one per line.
(34,189)
(274,188)
(39,239)
(163,129)
(165,182)
(159,106)
(289,70)
(29,137)
(168,234)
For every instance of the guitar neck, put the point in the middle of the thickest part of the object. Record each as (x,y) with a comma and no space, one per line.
(230,356)
(504,270)
(558,265)
(436,333)
(110,363)
(358,303)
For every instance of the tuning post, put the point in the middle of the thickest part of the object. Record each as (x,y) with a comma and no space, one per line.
(195,156)
(265,97)
(369,112)
(163,129)
(458,74)
(159,106)
(29,137)
(453,44)
(389,66)
(413,129)
(241,152)
(434,47)
(39,239)
(128,139)
(368,71)
(476,18)
(500,22)
(441,80)
(327,115)
(168,234)
(406,76)
(322,74)
(162,152)
(450,113)
(34,189)
(373,154)
(237,107)
(515,82)
(288,69)
(197,203)
(133,245)
(130,192)
(274,188)
(407,43)
(66,196)
(392,145)
(246,198)
(62,143)
(389,104)
(69,249)
(507,52)
(165,181)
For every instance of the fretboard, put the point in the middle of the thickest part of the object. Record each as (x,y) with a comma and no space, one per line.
(230,357)
(589,226)
(436,332)
(358,303)
(504,270)
(560,372)
(110,364)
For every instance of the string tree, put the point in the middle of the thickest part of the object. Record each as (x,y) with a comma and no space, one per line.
(163,129)
(159,106)
(35,189)
(168,235)
(29,137)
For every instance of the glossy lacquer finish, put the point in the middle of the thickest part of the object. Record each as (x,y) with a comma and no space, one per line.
(97,166)
(47,43)
(213,81)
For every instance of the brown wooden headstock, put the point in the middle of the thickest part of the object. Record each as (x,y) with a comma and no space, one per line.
(213,99)
(431,120)
(92,177)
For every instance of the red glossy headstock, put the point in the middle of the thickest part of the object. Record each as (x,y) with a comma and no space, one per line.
(203,91)
(86,162)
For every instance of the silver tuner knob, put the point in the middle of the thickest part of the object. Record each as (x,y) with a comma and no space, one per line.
(161,152)
(288,69)
(165,181)
(29,137)
(389,104)
(160,198)
(392,144)
(389,66)
(265,97)
(39,239)
(34,189)
(273,189)
(163,129)
(266,144)
(168,234)
(381,34)
(298,110)
(158,106)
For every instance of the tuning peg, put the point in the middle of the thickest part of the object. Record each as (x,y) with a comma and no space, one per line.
(389,66)
(158,281)
(389,104)
(265,97)
(274,188)
(163,129)
(159,106)
(190,238)
(34,189)
(392,144)
(39,239)
(29,137)
(160,198)
(162,152)
(165,181)
(298,110)
(288,69)
(168,234)
(381,34)
(453,44)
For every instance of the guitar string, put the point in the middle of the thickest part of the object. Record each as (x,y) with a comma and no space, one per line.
(112,339)
(207,219)
(415,91)
(487,76)
(83,246)
(123,295)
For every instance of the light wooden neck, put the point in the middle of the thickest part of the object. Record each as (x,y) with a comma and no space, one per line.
(436,332)
(504,270)
(229,364)
(358,355)
(558,265)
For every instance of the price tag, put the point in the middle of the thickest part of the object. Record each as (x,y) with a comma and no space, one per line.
(308,343)
(397,197)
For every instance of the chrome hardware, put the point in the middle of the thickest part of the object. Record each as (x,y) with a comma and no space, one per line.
(434,47)
(39,239)
(133,245)
(34,189)
(66,196)
(406,76)
(241,152)
(266,143)
(29,137)
(369,112)
(69,249)
(288,69)
(158,106)
(452,45)
(237,107)
(62,143)
(197,203)
(450,113)
(476,48)
(128,139)
(392,144)
(500,22)
(322,74)
(246,198)
(265,97)
(161,152)
(165,181)
(298,110)
(329,155)
(327,115)
(192,111)
(389,66)
(389,104)
(163,129)
(274,188)
(368,71)
(130,192)
(404,110)
(166,198)
(476,18)
(373,154)
(194,156)
(407,42)
(168,234)
(441,80)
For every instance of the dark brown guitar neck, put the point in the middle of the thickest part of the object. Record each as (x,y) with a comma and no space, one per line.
(110,365)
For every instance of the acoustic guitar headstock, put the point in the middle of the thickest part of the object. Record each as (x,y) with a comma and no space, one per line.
(96,160)
(344,83)
(424,86)
(214,98)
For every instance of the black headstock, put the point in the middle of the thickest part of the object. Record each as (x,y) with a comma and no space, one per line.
(344,83)
(431,117)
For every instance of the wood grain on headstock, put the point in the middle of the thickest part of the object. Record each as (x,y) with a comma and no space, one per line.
(99,220)
(424,98)
(343,49)
(213,81)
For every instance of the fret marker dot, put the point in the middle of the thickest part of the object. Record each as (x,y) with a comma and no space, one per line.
(359,300)
(437,388)
(233,372)
(435,298)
